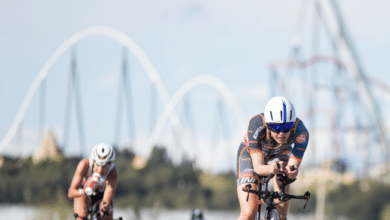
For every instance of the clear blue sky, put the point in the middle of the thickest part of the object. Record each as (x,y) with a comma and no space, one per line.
(232,40)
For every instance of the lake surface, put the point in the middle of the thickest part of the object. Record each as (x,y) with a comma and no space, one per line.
(22,212)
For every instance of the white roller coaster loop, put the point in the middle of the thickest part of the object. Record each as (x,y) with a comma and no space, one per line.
(184,89)
(95,30)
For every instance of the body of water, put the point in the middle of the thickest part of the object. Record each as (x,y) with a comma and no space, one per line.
(22,212)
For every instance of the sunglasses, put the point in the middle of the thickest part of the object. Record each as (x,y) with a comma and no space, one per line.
(284,127)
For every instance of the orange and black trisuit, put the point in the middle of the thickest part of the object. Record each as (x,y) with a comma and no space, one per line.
(254,142)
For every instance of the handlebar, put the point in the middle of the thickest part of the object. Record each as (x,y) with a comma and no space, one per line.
(306,197)
(276,195)
(284,179)
(266,179)
(281,196)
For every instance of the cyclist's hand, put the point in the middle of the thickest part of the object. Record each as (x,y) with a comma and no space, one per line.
(291,172)
(273,167)
(89,192)
(105,210)
(104,206)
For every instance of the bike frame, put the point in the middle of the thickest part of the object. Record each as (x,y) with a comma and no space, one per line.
(268,201)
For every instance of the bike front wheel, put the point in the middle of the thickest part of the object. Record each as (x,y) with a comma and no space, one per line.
(272,215)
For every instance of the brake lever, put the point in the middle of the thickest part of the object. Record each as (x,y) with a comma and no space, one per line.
(246,188)
(307,201)
(307,197)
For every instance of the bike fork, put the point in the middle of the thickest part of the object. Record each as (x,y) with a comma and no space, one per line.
(258,215)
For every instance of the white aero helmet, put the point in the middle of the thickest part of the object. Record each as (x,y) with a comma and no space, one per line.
(279,110)
(102,154)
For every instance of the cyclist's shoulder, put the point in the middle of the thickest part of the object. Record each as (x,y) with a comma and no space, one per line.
(301,134)
(114,168)
(300,126)
(257,119)
(82,168)
(256,125)
(113,172)
(85,161)
(84,164)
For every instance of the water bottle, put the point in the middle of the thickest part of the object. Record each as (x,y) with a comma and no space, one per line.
(91,184)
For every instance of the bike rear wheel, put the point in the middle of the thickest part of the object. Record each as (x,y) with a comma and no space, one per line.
(273,215)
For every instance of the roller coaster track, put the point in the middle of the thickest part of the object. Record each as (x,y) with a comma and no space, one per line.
(95,30)
(184,89)
(322,58)
(169,103)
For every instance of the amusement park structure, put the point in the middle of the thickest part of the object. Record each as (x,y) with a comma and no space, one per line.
(334,89)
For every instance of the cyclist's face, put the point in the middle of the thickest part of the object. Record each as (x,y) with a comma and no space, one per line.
(101,169)
(280,137)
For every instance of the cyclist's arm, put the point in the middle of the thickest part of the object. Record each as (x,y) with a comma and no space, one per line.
(292,173)
(293,161)
(81,171)
(301,140)
(111,183)
(262,169)
(255,127)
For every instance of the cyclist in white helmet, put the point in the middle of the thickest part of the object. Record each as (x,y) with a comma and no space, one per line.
(275,138)
(95,180)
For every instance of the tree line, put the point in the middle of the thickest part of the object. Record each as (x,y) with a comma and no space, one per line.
(159,182)
(172,186)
